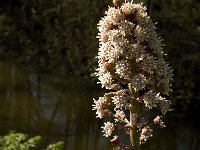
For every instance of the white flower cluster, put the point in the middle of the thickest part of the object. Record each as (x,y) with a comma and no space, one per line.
(130,55)
(145,134)
(120,99)
(159,122)
(108,129)
(120,116)
(123,69)
(151,99)
(128,35)
(138,82)
(100,106)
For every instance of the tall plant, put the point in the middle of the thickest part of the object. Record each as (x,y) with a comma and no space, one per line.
(132,67)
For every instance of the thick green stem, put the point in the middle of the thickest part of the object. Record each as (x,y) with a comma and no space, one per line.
(134,110)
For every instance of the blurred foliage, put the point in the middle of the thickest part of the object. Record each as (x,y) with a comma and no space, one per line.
(57,146)
(20,141)
(61,35)
(56,34)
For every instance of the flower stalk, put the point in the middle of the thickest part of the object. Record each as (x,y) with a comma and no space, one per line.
(134,109)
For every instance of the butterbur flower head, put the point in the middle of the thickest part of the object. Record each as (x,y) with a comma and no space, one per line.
(128,8)
(123,69)
(159,122)
(120,116)
(101,106)
(139,82)
(120,99)
(115,15)
(131,64)
(149,64)
(164,105)
(106,79)
(149,99)
(146,132)
(108,129)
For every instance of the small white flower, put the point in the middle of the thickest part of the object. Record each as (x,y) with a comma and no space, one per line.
(106,79)
(149,64)
(149,99)
(128,8)
(159,122)
(123,69)
(139,82)
(120,116)
(108,129)
(140,33)
(120,99)
(115,15)
(100,106)
(163,104)
(145,134)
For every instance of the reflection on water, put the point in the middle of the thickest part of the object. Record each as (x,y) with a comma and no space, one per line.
(177,136)
(59,108)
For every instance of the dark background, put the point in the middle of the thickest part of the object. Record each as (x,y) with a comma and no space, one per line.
(60,36)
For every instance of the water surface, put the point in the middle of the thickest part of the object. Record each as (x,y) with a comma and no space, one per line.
(58,107)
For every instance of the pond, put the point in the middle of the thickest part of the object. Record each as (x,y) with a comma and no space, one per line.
(58,107)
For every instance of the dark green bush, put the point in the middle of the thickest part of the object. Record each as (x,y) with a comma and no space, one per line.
(53,34)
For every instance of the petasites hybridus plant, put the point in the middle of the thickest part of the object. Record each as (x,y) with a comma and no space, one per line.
(132,66)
